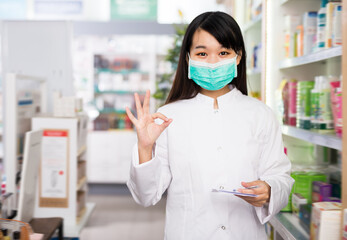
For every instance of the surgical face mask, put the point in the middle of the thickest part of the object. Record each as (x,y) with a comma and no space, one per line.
(212,76)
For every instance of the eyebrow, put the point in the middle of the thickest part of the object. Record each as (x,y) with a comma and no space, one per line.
(200,46)
(204,47)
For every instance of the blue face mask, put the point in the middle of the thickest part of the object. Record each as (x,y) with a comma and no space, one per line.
(212,76)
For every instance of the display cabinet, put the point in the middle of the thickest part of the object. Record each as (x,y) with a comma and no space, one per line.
(304,64)
(62,187)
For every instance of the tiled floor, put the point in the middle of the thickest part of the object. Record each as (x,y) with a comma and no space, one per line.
(117,217)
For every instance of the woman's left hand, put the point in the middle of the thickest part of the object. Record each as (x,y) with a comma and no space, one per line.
(260,188)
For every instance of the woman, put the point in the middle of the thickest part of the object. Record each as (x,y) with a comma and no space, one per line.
(212,137)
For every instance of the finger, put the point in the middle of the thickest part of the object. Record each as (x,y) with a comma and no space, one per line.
(165,125)
(138,105)
(250,184)
(252,201)
(131,116)
(146,102)
(160,115)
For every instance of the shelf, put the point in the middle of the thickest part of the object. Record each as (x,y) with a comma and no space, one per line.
(256,21)
(81,150)
(289,227)
(123,71)
(254,71)
(120,92)
(335,168)
(81,183)
(75,230)
(311,58)
(328,140)
(111,111)
(115,130)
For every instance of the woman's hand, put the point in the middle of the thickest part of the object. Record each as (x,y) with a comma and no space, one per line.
(147,130)
(260,188)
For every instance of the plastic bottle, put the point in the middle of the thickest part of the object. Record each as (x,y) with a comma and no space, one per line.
(310,31)
(336,102)
(16,235)
(5,233)
(325,118)
(315,105)
(321,23)
(303,104)
(337,26)
(292,92)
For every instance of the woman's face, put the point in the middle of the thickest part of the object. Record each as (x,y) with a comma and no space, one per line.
(205,48)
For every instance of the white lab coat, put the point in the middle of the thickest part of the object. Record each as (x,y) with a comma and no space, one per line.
(204,148)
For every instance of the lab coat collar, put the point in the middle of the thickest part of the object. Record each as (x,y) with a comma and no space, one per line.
(223,100)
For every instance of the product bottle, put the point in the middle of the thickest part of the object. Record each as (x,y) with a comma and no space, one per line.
(16,235)
(314,106)
(292,90)
(303,104)
(326,121)
(5,234)
(337,28)
(321,23)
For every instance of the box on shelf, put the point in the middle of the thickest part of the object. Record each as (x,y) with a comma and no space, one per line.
(305,212)
(326,221)
(297,201)
(321,191)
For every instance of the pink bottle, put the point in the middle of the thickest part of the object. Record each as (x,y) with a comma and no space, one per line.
(292,86)
(336,105)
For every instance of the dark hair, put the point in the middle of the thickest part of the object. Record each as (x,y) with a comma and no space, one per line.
(227,32)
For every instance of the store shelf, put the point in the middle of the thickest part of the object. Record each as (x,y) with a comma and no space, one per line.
(81,183)
(75,230)
(254,71)
(81,150)
(256,21)
(111,111)
(289,227)
(311,58)
(335,168)
(119,92)
(328,140)
(123,71)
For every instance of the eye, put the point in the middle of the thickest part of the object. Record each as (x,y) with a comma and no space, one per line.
(224,53)
(202,54)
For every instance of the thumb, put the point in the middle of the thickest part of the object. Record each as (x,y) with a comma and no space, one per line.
(246,184)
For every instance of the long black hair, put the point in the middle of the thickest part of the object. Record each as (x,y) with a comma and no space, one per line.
(228,33)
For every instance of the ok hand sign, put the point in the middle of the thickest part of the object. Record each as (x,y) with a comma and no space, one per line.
(147,130)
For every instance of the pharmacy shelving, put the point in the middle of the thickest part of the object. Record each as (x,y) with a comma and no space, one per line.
(70,136)
(256,22)
(316,57)
(75,230)
(324,139)
(254,71)
(249,15)
(304,68)
(328,62)
(288,227)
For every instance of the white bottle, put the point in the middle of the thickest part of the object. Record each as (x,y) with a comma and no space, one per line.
(337,28)
(321,23)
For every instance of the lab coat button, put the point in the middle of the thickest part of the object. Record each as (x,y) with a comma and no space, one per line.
(223,227)
(219,148)
(221,187)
